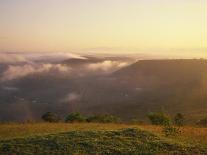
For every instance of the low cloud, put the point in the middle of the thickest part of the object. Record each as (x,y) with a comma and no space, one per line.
(19,71)
(107,66)
(12,58)
(23,64)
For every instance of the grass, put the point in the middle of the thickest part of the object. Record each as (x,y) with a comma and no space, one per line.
(189,134)
(14,130)
(94,138)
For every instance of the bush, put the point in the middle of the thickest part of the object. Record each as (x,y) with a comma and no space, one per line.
(159,118)
(75,117)
(202,122)
(169,130)
(103,119)
(179,119)
(50,117)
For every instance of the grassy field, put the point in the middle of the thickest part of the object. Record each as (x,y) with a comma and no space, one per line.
(94,138)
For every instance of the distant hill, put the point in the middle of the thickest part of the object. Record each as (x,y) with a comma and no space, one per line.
(92,60)
(131,92)
(87,60)
(171,85)
(160,85)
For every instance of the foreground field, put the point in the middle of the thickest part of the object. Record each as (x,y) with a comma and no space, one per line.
(61,138)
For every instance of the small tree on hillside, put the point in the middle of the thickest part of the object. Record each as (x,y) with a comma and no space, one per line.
(104,119)
(179,119)
(50,117)
(75,117)
(159,118)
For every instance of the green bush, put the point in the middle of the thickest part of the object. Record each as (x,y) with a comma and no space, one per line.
(202,122)
(103,119)
(75,117)
(159,118)
(50,117)
(179,119)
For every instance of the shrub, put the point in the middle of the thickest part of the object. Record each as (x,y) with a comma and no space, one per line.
(50,117)
(159,118)
(179,119)
(170,130)
(202,122)
(103,119)
(75,117)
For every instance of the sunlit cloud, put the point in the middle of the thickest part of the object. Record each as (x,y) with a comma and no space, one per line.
(19,71)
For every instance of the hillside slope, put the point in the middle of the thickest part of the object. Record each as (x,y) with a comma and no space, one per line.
(155,85)
(131,92)
(119,142)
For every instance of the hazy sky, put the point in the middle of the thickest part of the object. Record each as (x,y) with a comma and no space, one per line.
(117,26)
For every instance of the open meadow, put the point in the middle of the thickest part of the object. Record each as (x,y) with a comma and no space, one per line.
(97,138)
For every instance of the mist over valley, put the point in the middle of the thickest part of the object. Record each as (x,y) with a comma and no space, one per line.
(32,84)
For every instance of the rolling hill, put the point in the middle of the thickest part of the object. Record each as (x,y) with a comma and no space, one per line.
(89,138)
(129,92)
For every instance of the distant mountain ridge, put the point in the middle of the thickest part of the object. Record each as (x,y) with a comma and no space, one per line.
(131,92)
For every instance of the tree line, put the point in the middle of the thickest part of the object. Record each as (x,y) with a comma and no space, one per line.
(77,117)
(158,118)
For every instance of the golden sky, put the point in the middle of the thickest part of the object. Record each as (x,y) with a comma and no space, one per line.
(116,26)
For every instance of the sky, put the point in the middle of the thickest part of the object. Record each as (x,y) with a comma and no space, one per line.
(114,26)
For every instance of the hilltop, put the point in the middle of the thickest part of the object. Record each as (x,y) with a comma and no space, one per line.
(83,139)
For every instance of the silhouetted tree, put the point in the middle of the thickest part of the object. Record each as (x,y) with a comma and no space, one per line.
(50,117)
(75,117)
(103,119)
(179,119)
(159,118)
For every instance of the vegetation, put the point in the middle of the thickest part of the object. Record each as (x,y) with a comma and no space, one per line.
(75,117)
(170,130)
(103,119)
(94,135)
(13,130)
(114,142)
(50,117)
(159,118)
(179,119)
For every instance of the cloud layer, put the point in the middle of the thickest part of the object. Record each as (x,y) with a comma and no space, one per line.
(13,58)
(106,65)
(20,65)
(15,72)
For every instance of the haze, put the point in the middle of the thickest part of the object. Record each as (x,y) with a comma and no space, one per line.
(109,26)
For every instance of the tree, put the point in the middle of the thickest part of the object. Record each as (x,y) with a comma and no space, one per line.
(179,119)
(75,117)
(159,118)
(103,119)
(50,117)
